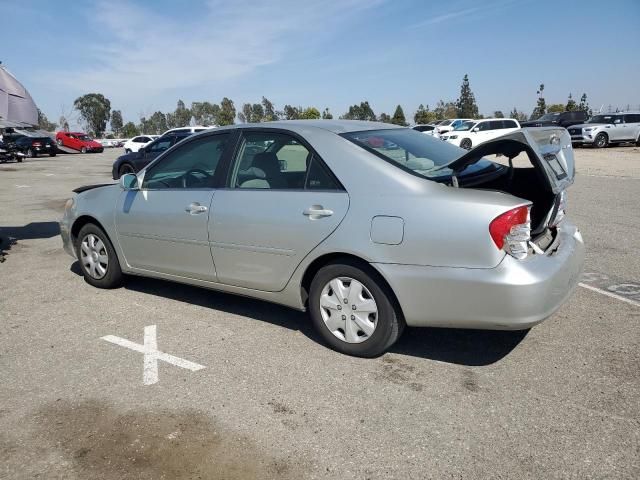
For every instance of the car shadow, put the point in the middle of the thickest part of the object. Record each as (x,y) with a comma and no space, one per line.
(457,346)
(10,235)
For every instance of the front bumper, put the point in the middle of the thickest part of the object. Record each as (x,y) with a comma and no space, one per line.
(583,138)
(515,295)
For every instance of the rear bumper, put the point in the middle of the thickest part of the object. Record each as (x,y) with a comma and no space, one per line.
(515,295)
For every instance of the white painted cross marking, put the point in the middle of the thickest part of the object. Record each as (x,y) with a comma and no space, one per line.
(152,354)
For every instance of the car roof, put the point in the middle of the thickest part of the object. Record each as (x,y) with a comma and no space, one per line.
(335,126)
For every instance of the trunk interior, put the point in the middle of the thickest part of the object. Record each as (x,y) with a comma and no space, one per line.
(524,183)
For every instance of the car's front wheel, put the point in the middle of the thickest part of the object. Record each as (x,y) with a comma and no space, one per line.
(83,150)
(352,308)
(124,169)
(601,140)
(98,258)
(52,154)
(466,143)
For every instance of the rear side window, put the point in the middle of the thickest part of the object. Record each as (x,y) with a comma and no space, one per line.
(632,118)
(495,124)
(509,124)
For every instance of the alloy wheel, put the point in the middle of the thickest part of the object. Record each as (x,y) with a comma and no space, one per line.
(94,256)
(348,310)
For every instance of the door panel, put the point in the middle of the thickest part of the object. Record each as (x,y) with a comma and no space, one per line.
(259,237)
(156,232)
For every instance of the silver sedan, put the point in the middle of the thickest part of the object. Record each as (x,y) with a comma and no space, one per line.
(367,226)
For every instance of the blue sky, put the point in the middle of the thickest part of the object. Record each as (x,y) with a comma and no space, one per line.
(144,56)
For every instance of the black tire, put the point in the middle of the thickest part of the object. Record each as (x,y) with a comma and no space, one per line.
(126,150)
(31,153)
(465,143)
(52,154)
(113,277)
(389,325)
(601,140)
(125,168)
(638,142)
(19,159)
(83,150)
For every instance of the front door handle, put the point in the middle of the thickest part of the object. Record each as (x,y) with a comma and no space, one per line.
(317,211)
(195,208)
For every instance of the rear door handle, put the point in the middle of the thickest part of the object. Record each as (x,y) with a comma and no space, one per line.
(317,211)
(195,208)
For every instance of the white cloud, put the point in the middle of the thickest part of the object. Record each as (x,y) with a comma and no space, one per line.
(147,52)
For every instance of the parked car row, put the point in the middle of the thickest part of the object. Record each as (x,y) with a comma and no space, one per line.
(30,143)
(78,141)
(599,131)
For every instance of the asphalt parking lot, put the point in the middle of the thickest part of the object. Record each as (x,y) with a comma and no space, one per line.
(559,401)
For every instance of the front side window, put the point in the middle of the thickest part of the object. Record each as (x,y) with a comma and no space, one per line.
(496,125)
(509,124)
(192,165)
(484,126)
(601,119)
(278,161)
(160,145)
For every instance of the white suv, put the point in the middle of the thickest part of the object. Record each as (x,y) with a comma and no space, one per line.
(136,143)
(448,125)
(472,133)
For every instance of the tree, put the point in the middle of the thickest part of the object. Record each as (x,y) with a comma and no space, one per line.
(291,113)
(466,104)
(95,110)
(398,117)
(310,113)
(498,114)
(326,115)
(360,112)
(227,113)
(116,121)
(44,123)
(541,106)
(270,114)
(204,113)
(584,104)
(555,108)
(182,115)
(64,124)
(251,113)
(571,104)
(424,115)
(518,115)
(158,123)
(384,118)
(129,130)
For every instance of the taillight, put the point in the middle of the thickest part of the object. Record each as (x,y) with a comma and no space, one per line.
(511,231)
(35,144)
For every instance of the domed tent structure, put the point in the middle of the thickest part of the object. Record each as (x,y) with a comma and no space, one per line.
(17,108)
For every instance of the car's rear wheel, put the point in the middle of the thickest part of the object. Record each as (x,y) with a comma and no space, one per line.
(31,153)
(124,169)
(97,257)
(601,140)
(466,143)
(83,150)
(353,310)
(52,154)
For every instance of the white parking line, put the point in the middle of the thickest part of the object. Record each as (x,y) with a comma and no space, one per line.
(609,294)
(152,354)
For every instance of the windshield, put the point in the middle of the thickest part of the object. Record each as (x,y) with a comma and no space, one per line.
(421,154)
(464,127)
(549,116)
(445,123)
(601,119)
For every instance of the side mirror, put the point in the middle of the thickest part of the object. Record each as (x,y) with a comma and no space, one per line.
(141,150)
(475,129)
(128,181)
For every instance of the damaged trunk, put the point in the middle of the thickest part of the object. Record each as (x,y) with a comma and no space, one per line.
(543,184)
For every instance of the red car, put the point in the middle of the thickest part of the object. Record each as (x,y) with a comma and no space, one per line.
(78,141)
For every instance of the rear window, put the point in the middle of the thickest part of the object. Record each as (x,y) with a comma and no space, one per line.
(420,154)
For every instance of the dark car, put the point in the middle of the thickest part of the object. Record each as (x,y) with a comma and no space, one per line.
(30,144)
(558,119)
(135,161)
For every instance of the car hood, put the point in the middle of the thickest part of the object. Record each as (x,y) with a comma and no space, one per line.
(129,156)
(548,148)
(91,187)
(539,123)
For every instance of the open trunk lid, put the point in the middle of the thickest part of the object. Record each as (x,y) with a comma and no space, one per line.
(548,148)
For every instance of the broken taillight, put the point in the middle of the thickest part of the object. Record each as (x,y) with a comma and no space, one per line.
(511,231)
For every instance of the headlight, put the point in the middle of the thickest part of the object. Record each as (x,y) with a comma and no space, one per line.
(453,137)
